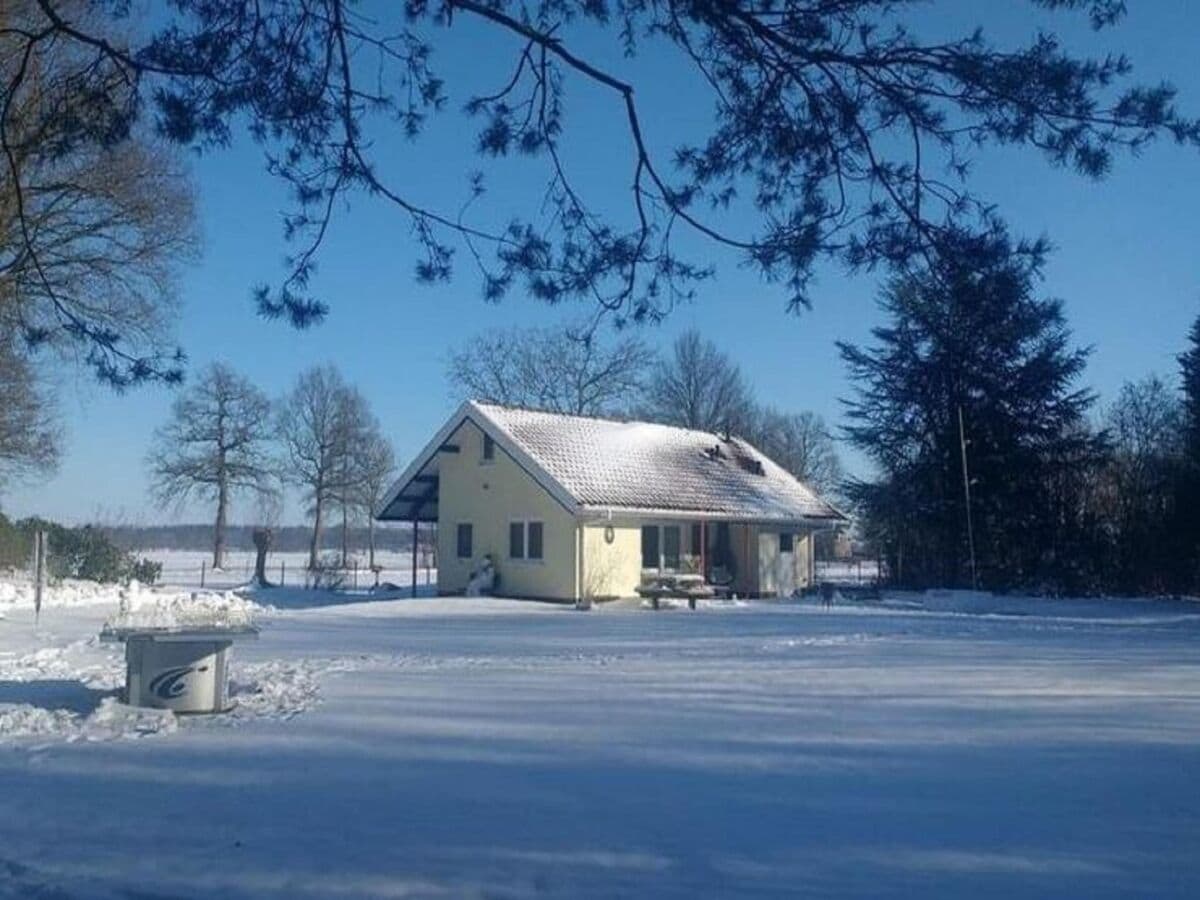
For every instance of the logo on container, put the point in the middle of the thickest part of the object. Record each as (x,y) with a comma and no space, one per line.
(169,683)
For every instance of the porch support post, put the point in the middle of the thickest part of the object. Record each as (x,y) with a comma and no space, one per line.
(416,527)
(704,549)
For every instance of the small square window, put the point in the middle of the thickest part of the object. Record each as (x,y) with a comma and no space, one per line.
(534,540)
(489,448)
(787,542)
(465,536)
(516,540)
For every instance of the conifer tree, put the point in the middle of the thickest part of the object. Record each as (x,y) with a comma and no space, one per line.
(1189,372)
(967,336)
(1188,499)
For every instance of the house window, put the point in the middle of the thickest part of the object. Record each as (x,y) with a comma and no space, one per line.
(489,448)
(649,546)
(525,540)
(671,549)
(787,542)
(661,548)
(697,539)
(465,539)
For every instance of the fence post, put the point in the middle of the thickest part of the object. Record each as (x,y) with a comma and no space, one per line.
(39,573)
(356,574)
(203,566)
(281,572)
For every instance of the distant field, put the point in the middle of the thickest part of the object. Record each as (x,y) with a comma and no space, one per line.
(182,568)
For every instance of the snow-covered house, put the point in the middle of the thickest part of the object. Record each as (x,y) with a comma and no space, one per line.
(569,507)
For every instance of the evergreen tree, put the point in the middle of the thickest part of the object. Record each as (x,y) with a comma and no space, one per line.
(840,131)
(968,341)
(1189,371)
(1188,500)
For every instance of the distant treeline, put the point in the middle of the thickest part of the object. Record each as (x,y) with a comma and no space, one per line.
(287,539)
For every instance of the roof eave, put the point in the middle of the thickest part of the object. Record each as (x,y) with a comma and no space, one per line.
(602,513)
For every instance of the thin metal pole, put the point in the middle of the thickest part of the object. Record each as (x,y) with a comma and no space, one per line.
(202,567)
(962,442)
(416,526)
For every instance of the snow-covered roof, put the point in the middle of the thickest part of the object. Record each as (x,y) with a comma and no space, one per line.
(601,465)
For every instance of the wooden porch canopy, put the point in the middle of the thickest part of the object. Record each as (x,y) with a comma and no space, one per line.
(417,497)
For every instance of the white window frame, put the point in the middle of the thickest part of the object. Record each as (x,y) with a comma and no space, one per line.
(526,559)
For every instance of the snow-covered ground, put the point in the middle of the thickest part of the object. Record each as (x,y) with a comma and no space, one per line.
(490,748)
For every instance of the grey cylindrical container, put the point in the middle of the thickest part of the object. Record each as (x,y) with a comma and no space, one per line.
(186,676)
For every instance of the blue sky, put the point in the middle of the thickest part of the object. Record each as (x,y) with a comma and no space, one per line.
(1126,263)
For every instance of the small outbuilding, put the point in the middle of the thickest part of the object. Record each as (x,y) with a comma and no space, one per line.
(570,508)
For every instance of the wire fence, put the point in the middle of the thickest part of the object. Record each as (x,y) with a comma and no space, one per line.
(854,572)
(194,569)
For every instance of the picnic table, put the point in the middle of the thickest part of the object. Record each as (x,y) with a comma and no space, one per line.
(689,587)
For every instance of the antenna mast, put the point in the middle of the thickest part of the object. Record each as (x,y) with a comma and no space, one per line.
(962,443)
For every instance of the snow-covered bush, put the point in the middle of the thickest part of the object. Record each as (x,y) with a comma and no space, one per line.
(328,574)
(84,552)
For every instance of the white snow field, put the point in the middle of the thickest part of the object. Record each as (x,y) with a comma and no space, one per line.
(487,748)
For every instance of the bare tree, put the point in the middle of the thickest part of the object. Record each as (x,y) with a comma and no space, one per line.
(215,445)
(1146,425)
(29,434)
(359,447)
(95,217)
(377,464)
(800,443)
(562,370)
(309,426)
(698,386)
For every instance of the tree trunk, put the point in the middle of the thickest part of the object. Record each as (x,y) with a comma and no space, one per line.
(219,530)
(314,547)
(371,541)
(262,546)
(345,540)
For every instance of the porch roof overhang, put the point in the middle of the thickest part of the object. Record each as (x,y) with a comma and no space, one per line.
(417,499)
(607,513)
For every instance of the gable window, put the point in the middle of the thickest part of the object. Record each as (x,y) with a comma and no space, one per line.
(525,540)
(489,449)
(661,547)
(787,542)
(465,537)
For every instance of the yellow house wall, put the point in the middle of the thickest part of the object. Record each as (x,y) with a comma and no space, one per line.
(615,570)
(490,496)
(768,562)
(612,570)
